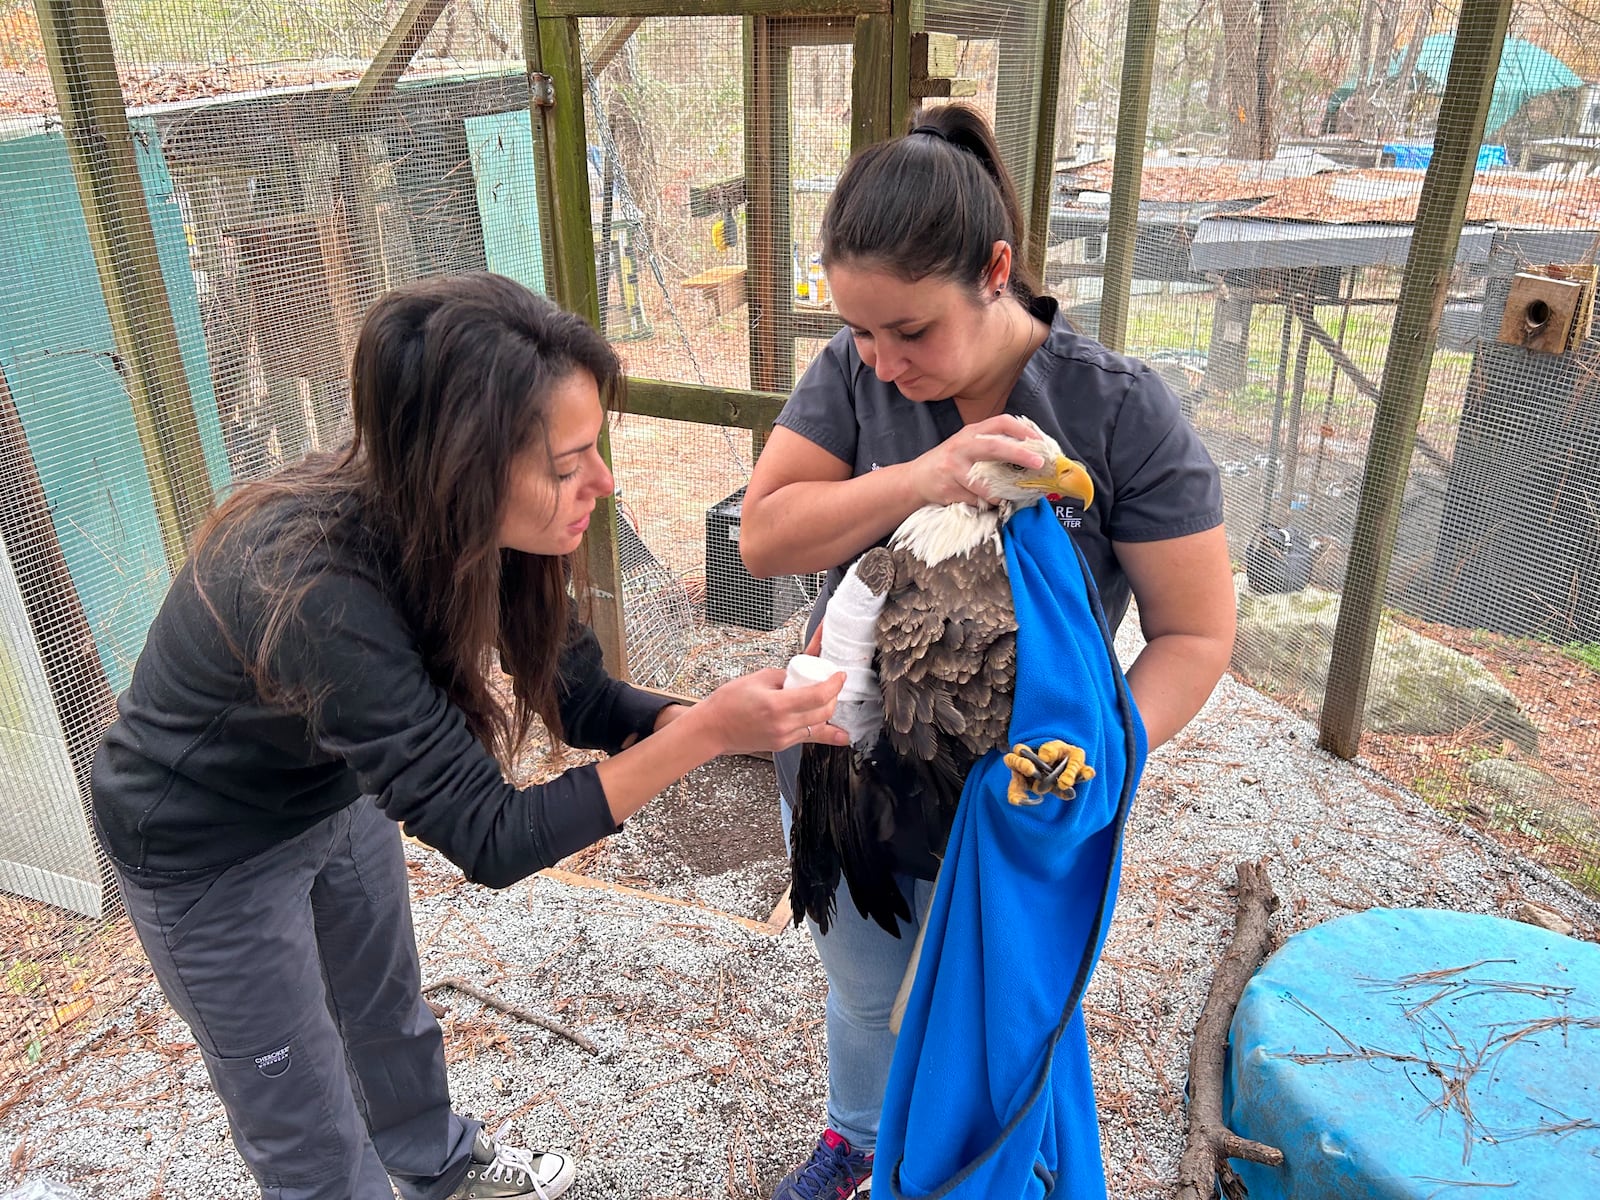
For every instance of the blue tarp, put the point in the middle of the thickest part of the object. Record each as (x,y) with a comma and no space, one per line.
(1417,155)
(1525,71)
(1403,1054)
(990,1093)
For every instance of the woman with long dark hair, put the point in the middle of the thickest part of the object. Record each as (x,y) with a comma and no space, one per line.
(321,674)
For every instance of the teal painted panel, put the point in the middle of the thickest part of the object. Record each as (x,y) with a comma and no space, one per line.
(57,352)
(508,204)
(172,245)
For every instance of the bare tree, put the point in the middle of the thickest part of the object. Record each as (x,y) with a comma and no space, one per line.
(1252,43)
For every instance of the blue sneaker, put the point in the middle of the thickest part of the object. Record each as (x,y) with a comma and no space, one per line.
(833,1172)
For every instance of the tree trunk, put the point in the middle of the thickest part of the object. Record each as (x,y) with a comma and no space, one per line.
(1396,119)
(1252,46)
(1269,54)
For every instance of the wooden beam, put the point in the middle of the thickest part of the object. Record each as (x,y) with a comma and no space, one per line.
(871,80)
(395,55)
(768,281)
(1441,208)
(616,37)
(704,405)
(1044,151)
(710,8)
(1127,172)
(552,48)
(910,16)
(82,64)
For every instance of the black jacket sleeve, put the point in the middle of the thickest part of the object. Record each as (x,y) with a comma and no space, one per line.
(597,711)
(375,706)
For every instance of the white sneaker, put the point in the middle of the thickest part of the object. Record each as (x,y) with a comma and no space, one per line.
(503,1172)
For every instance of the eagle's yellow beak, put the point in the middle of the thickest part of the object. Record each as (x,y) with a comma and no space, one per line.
(1072,479)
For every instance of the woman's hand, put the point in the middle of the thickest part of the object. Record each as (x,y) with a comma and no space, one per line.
(756,712)
(942,472)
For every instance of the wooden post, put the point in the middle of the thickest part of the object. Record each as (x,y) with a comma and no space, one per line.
(1442,206)
(769,288)
(552,49)
(83,68)
(1122,220)
(871,83)
(1016,119)
(910,16)
(1044,154)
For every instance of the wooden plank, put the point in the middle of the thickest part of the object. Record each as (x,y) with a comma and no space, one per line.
(1122,219)
(1468,89)
(709,8)
(83,68)
(723,287)
(704,405)
(768,228)
(910,16)
(871,80)
(552,48)
(1044,148)
(782,913)
(616,37)
(922,89)
(934,55)
(410,30)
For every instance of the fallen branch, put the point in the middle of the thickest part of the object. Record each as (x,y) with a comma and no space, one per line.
(1211,1143)
(511,1010)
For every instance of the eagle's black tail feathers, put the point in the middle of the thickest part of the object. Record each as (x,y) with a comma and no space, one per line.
(813,853)
(843,824)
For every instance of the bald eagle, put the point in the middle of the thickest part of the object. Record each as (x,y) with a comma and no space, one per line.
(935,610)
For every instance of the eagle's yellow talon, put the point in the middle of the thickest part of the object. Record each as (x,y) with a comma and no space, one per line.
(1054,769)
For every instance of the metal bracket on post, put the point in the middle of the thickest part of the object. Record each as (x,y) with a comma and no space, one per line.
(541,90)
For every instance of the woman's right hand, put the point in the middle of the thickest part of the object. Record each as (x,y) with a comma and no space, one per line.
(941,473)
(756,712)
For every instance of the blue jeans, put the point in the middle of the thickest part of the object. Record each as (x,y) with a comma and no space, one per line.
(864,966)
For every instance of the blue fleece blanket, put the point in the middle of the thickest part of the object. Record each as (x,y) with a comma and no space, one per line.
(990,1094)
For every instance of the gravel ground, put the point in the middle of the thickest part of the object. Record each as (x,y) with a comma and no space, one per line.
(708,1080)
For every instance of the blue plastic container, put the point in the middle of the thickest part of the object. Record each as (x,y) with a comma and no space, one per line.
(1411,1053)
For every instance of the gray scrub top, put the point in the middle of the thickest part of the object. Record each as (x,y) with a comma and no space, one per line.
(1153,478)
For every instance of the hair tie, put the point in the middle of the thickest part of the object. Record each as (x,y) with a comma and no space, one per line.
(930,131)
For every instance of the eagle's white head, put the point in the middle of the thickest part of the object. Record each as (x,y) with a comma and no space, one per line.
(942,531)
(1017,487)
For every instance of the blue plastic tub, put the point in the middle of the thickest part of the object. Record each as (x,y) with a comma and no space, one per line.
(1410,1053)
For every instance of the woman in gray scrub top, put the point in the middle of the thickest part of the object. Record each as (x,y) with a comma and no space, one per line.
(947,342)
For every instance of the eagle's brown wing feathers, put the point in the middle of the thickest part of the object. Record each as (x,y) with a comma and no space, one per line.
(946,662)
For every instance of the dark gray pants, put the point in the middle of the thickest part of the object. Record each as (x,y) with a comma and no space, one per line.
(297,971)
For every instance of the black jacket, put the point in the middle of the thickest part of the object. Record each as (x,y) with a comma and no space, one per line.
(198,772)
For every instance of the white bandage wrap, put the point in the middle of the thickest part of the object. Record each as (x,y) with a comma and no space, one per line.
(849,633)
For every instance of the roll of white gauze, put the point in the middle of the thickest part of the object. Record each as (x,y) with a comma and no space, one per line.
(806,669)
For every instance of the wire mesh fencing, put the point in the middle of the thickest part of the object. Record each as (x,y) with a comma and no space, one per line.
(293,162)
(1285,160)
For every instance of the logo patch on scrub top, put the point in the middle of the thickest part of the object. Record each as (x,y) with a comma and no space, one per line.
(1067,513)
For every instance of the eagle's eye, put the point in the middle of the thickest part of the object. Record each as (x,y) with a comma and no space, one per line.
(1014,467)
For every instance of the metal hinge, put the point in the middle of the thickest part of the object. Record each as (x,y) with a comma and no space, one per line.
(541,90)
